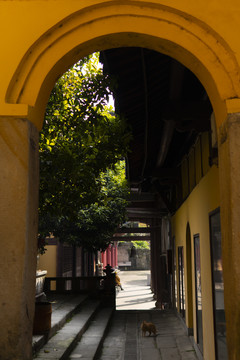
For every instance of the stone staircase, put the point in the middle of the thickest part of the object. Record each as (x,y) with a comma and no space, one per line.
(79,325)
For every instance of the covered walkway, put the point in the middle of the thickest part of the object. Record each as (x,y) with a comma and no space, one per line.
(125,342)
(124,339)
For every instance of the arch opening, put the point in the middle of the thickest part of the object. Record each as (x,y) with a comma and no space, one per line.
(145,175)
(178,35)
(167,32)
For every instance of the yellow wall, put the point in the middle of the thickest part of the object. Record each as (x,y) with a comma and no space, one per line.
(43,38)
(48,261)
(195,210)
(40,40)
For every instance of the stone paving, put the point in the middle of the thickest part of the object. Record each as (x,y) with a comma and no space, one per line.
(124,340)
(137,294)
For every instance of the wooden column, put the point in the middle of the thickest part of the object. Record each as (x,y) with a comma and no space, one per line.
(104,261)
(109,255)
(113,256)
(160,281)
(153,262)
(116,254)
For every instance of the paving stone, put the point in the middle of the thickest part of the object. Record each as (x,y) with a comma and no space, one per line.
(188,355)
(170,353)
(108,357)
(183,340)
(115,342)
(130,357)
(147,342)
(185,348)
(124,339)
(150,354)
(91,340)
(172,344)
(166,342)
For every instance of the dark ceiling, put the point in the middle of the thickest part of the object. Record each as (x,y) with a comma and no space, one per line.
(166,107)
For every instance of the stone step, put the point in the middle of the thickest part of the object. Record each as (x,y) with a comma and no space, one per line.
(64,341)
(63,308)
(91,341)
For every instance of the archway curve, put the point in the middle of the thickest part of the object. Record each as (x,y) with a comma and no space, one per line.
(125,23)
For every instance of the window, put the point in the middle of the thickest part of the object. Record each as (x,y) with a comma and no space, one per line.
(218,286)
(181,281)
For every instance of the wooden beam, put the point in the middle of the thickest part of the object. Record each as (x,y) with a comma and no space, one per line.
(188,115)
(132,238)
(134,230)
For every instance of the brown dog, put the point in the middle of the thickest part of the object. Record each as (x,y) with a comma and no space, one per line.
(148,327)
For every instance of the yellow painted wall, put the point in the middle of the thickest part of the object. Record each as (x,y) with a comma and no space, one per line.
(43,38)
(48,261)
(195,210)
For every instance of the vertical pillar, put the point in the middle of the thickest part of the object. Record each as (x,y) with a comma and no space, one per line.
(116,254)
(82,262)
(159,269)
(104,258)
(109,255)
(18,225)
(74,262)
(113,256)
(153,260)
(229,177)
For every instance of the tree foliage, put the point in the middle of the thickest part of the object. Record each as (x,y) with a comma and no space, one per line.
(141,244)
(138,244)
(97,222)
(80,144)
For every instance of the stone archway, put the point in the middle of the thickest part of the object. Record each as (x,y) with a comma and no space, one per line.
(103,26)
(100,26)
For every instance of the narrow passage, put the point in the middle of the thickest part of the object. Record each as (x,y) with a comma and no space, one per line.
(124,340)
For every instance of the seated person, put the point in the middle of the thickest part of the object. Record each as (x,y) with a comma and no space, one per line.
(118,281)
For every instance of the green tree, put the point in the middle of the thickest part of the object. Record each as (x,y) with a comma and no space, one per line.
(81,140)
(98,221)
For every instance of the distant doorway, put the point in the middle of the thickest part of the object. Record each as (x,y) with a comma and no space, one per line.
(136,293)
(181,281)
